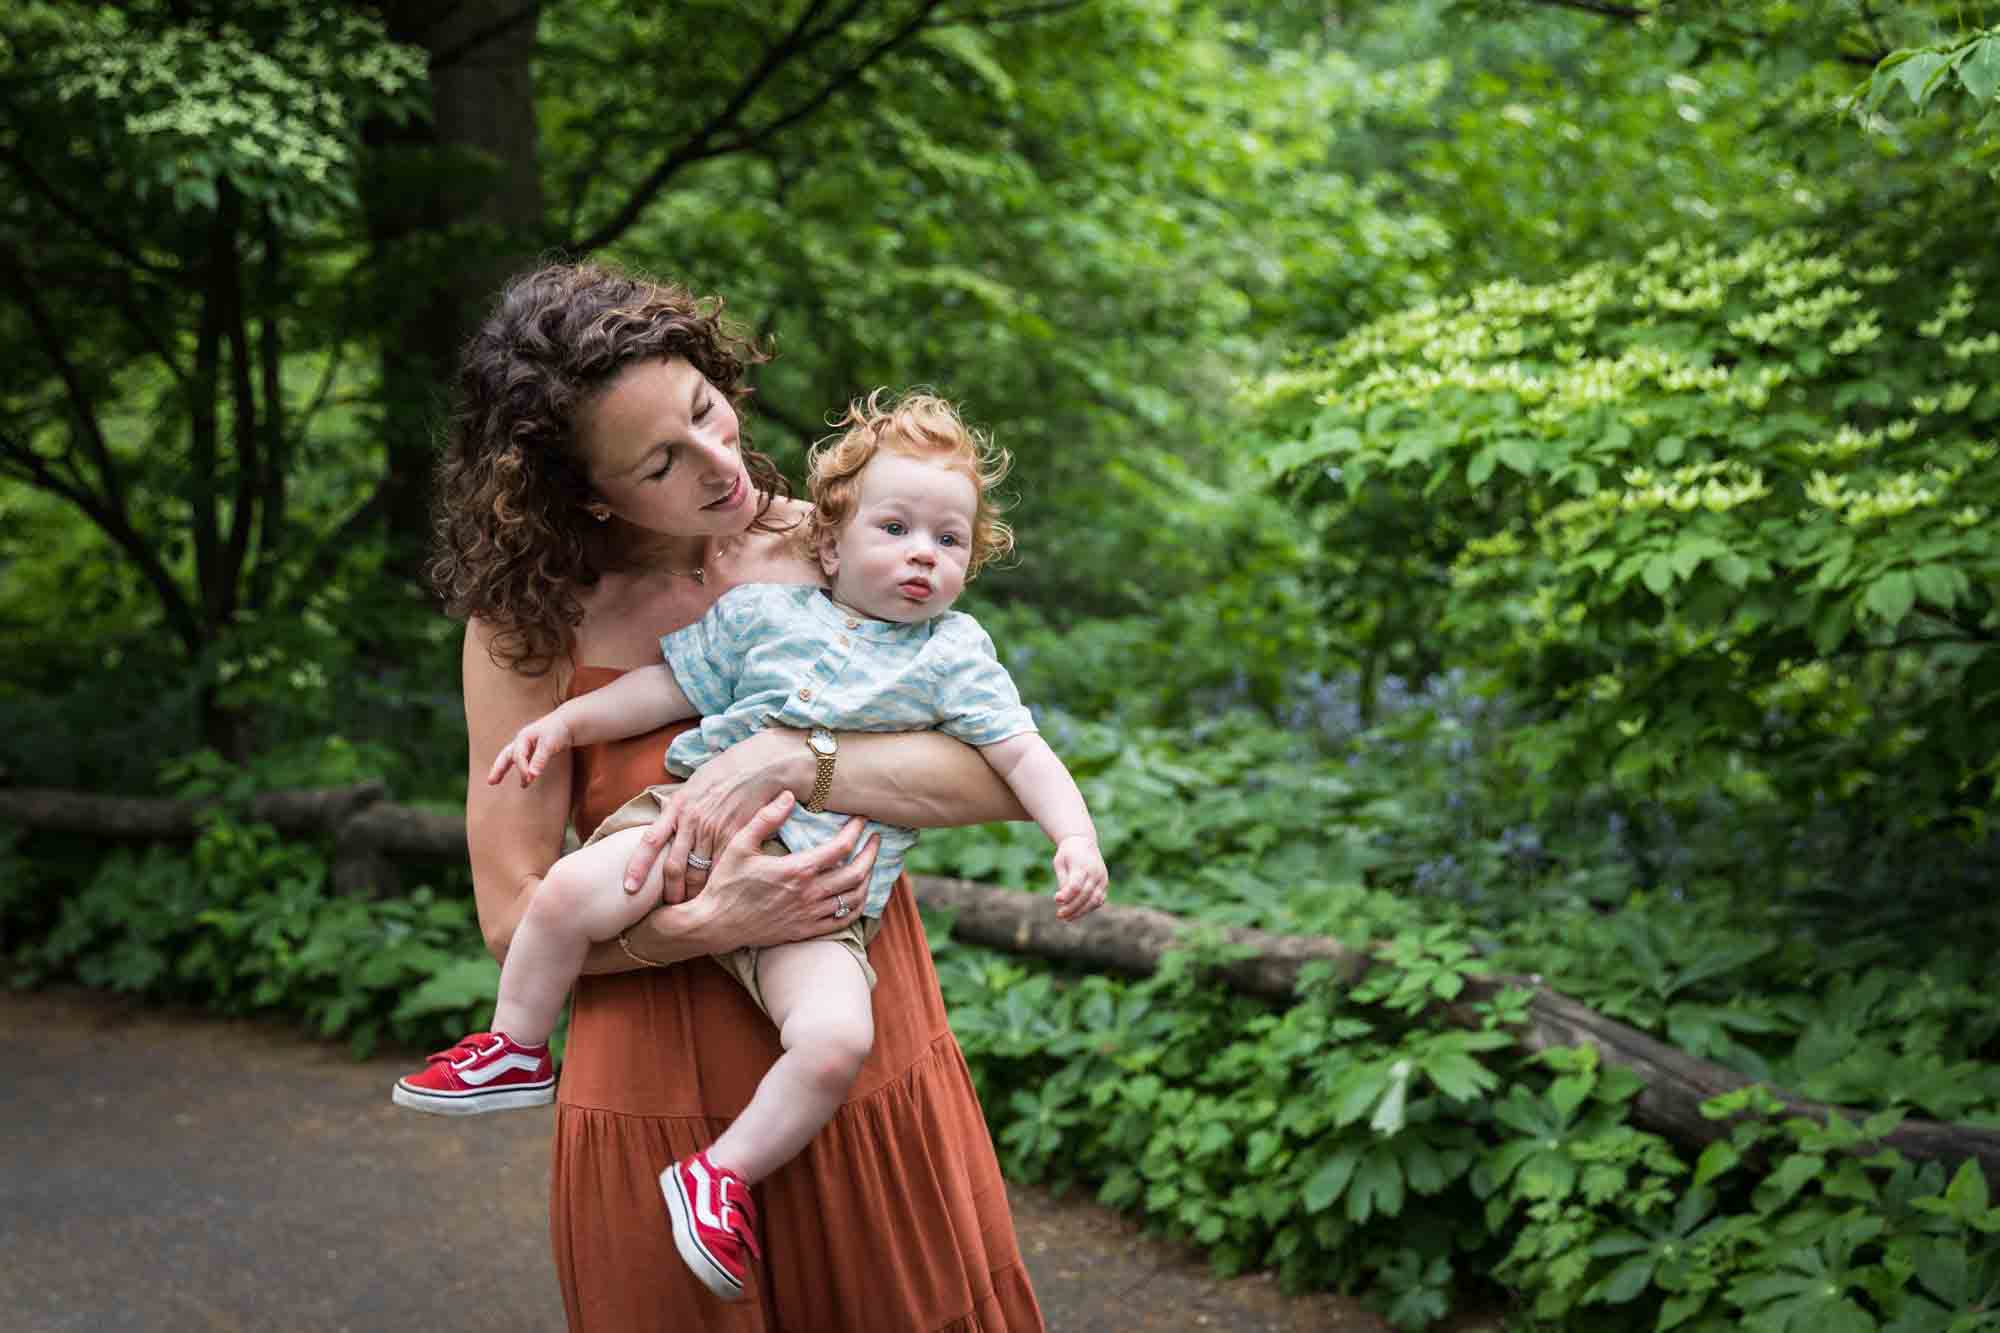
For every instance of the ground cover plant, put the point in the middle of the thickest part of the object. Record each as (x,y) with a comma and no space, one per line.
(1349,1138)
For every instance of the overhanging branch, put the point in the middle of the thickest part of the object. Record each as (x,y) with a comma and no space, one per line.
(1633,14)
(707,141)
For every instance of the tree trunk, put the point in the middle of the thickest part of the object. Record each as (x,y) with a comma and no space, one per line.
(454,206)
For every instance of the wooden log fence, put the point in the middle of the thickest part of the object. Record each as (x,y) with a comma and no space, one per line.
(367,833)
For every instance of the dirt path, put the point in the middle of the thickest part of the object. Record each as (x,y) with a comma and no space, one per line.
(165,1171)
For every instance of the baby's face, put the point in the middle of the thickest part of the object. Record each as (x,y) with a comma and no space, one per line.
(902,554)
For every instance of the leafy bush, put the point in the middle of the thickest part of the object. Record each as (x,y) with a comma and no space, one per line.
(244,923)
(1721,517)
(1348,1141)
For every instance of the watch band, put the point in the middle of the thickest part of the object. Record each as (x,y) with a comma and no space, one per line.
(822,776)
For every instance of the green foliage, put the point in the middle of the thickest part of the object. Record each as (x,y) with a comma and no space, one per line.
(269,99)
(1962,70)
(1698,507)
(1347,1143)
(246,924)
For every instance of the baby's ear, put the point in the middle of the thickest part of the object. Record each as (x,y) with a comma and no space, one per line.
(829,556)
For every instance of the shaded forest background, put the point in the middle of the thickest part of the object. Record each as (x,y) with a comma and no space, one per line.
(1512,481)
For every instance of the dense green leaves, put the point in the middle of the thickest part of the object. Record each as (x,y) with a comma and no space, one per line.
(1697,502)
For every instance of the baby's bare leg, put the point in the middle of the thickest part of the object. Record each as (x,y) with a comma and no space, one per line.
(580,901)
(826,1019)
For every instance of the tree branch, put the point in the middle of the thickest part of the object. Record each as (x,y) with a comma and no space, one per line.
(271,485)
(1633,14)
(203,391)
(833,86)
(88,428)
(1625,12)
(243,421)
(451,55)
(114,524)
(701,145)
(77,217)
(1020,14)
(694,147)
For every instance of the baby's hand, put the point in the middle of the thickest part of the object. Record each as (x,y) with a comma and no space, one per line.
(1080,877)
(531,749)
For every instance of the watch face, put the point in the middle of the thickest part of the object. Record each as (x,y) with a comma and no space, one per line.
(822,742)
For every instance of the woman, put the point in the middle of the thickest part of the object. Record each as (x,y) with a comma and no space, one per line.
(596,494)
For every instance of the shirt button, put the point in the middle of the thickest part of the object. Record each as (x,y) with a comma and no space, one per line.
(805,693)
(854,624)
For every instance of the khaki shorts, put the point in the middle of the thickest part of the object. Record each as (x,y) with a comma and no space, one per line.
(855,936)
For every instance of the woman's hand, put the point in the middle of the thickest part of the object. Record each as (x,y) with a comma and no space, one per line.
(756,899)
(704,813)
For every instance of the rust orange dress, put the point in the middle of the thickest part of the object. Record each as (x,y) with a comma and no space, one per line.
(893,1220)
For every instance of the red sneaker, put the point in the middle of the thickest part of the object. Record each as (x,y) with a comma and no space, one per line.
(714,1223)
(486,1071)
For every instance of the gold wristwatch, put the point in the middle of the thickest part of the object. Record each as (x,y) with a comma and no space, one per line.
(824,747)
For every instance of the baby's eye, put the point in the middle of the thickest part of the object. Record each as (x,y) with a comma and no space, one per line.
(948,539)
(894,528)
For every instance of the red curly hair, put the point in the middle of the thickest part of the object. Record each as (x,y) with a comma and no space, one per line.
(922,426)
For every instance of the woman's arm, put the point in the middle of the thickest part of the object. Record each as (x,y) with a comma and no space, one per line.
(514,833)
(920,779)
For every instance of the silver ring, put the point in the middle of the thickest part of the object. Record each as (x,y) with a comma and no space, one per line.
(696,861)
(839,907)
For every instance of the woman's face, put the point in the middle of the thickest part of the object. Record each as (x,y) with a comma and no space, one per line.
(662,448)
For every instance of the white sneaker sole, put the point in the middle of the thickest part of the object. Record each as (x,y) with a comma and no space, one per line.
(702,1264)
(474,1103)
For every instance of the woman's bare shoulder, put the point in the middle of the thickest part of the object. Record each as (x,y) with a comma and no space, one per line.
(774,556)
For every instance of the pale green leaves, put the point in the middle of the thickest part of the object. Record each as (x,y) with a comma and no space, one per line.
(270,103)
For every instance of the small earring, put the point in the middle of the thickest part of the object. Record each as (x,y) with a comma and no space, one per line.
(601,515)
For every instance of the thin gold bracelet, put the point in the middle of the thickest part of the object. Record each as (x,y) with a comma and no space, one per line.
(626,945)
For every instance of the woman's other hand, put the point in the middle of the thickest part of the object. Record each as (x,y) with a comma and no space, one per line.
(701,816)
(753,898)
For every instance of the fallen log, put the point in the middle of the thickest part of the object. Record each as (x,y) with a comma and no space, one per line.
(314,810)
(367,831)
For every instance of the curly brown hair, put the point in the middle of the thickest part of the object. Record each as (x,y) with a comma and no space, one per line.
(512,542)
(921,426)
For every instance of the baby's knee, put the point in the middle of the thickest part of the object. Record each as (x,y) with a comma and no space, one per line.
(562,893)
(835,1052)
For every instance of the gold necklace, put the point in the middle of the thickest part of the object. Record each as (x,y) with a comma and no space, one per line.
(699,573)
